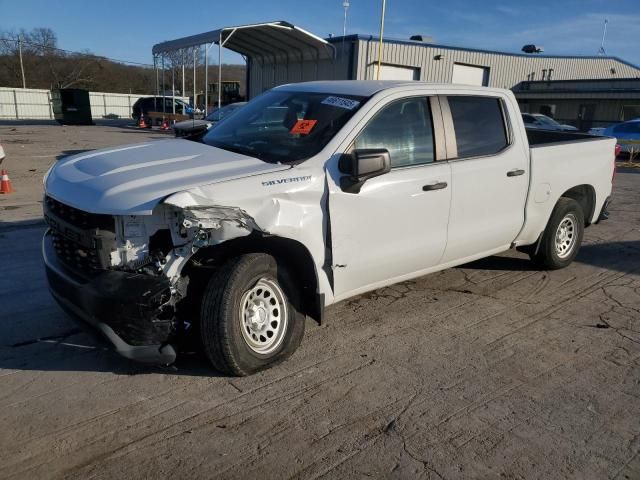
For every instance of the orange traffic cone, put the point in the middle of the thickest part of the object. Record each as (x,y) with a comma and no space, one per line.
(142,123)
(165,124)
(5,183)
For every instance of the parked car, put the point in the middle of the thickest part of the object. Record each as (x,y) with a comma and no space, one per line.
(195,128)
(2,154)
(626,132)
(597,131)
(267,221)
(542,122)
(155,104)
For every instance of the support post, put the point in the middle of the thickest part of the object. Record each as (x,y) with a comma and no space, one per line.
(206,80)
(163,88)
(155,66)
(220,71)
(15,104)
(183,86)
(173,87)
(51,105)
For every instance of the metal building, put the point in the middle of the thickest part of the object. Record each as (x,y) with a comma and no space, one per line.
(356,58)
(583,103)
(279,52)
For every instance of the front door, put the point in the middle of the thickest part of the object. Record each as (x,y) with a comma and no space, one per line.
(397,224)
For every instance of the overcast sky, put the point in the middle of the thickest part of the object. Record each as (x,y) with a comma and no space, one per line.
(128,29)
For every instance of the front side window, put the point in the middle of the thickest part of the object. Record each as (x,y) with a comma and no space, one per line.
(479,125)
(281,126)
(404,128)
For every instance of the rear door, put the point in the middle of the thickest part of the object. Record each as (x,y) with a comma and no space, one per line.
(396,224)
(489,173)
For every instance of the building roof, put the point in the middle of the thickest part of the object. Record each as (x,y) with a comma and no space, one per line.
(479,50)
(261,40)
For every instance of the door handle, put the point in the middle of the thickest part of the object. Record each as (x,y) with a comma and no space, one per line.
(515,173)
(434,186)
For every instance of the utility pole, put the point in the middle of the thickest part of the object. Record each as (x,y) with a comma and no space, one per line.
(24,84)
(381,34)
(345,5)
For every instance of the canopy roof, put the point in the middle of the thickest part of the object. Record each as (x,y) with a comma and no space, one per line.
(263,40)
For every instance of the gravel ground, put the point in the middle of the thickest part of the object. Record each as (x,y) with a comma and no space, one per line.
(492,369)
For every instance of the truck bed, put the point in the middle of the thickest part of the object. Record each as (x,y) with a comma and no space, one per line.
(543,137)
(561,161)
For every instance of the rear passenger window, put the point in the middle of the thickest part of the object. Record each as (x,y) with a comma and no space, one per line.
(479,125)
(404,128)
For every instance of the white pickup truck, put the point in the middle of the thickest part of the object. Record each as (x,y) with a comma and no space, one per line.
(310,194)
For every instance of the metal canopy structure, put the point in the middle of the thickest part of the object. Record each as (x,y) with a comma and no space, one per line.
(272,42)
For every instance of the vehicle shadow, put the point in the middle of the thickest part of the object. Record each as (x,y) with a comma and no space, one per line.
(619,256)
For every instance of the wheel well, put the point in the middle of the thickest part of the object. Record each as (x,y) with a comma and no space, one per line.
(585,195)
(291,253)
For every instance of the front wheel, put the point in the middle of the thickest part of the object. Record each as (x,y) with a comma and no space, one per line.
(562,237)
(251,315)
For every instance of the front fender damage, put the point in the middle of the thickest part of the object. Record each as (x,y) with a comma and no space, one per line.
(200,224)
(215,224)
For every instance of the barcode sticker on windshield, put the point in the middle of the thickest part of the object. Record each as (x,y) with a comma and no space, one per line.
(341,102)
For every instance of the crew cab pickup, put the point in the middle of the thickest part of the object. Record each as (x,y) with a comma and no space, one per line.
(310,194)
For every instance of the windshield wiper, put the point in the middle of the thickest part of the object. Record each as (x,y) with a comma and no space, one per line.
(242,150)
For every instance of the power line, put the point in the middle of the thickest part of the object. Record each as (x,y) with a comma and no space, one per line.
(47,47)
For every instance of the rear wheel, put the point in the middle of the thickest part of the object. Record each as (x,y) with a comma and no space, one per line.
(562,238)
(251,316)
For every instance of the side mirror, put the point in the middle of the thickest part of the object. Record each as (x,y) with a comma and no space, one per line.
(361,165)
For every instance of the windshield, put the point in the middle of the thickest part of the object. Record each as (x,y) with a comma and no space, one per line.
(546,120)
(281,126)
(225,111)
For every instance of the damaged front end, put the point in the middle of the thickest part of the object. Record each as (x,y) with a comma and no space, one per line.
(123,275)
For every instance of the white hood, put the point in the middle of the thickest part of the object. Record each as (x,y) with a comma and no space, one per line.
(132,179)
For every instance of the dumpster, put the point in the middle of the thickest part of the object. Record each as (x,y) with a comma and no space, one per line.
(71,106)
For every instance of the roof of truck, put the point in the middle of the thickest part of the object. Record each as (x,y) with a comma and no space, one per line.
(368,87)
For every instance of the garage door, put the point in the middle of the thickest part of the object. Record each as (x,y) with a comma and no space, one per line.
(470,75)
(391,72)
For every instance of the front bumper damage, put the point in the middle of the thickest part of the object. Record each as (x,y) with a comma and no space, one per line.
(132,311)
(123,275)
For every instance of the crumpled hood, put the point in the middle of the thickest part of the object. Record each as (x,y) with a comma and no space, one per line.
(132,179)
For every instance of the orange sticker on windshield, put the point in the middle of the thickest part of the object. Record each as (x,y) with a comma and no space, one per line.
(304,127)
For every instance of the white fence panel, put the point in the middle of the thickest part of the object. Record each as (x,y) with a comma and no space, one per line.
(7,103)
(18,103)
(33,104)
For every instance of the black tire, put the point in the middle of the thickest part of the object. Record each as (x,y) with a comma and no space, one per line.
(222,322)
(551,256)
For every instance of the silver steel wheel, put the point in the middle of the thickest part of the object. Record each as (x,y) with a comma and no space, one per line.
(263,316)
(566,235)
